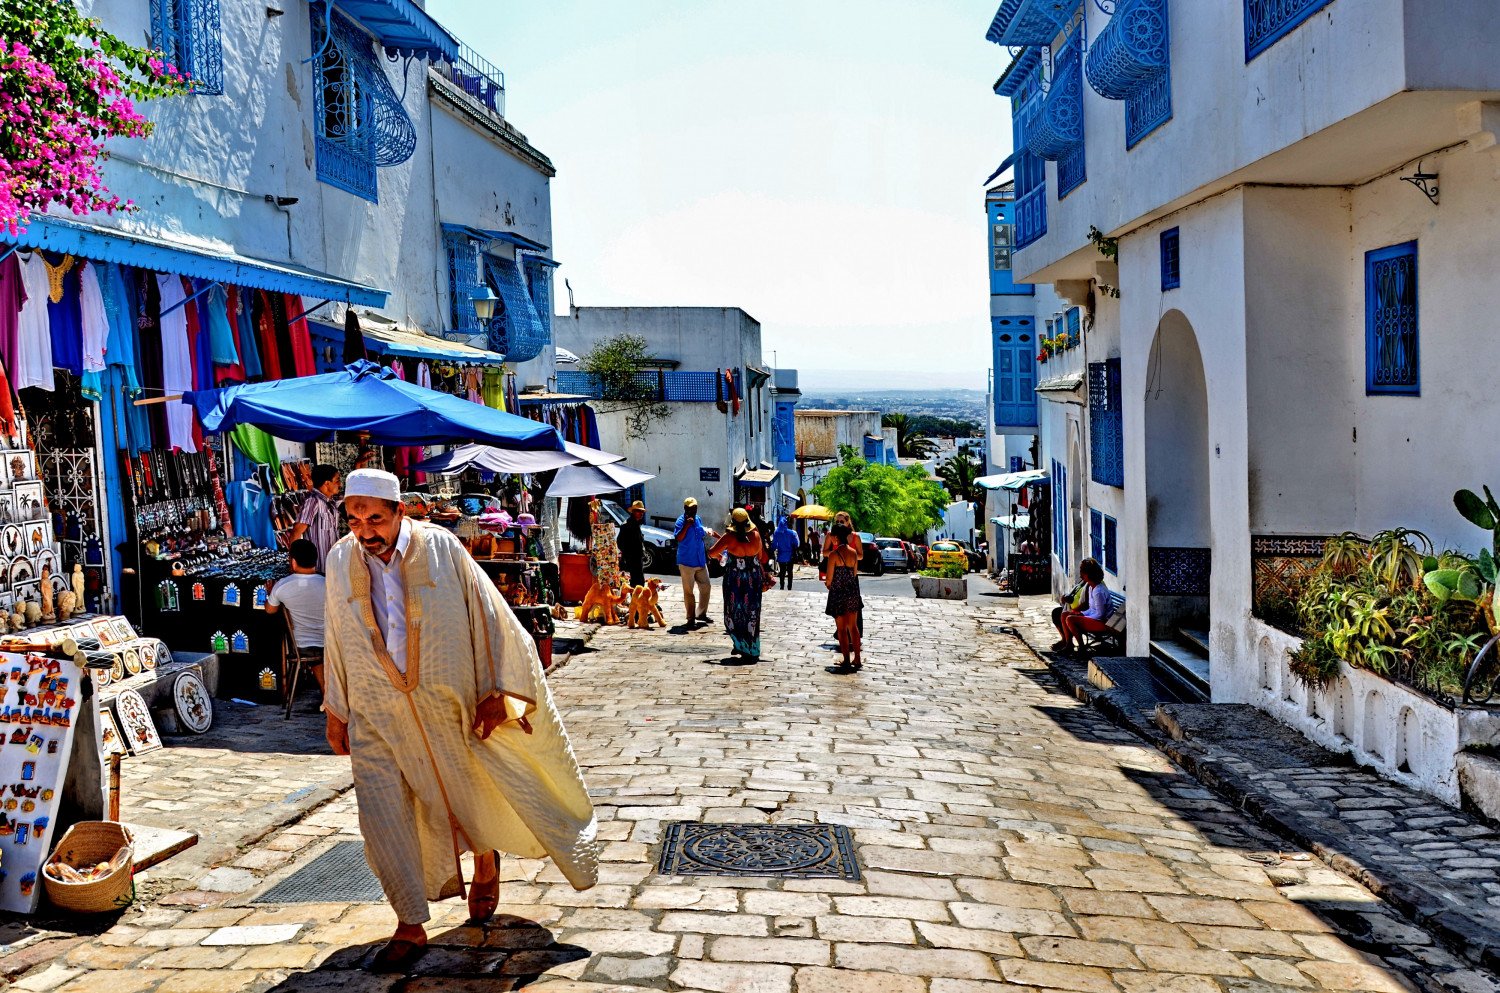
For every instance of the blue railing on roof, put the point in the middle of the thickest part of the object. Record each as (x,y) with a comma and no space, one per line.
(672,386)
(477,76)
(1268,21)
(1058,127)
(1132,51)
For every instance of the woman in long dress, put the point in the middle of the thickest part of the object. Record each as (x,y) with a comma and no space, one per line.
(744,581)
(842,551)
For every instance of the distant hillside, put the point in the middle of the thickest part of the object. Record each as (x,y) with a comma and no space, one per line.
(959,405)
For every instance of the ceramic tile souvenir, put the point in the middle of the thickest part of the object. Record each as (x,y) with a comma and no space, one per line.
(195,711)
(20,466)
(11,541)
(148,654)
(167,598)
(231,595)
(21,570)
(123,630)
(135,723)
(104,630)
(220,643)
(31,504)
(262,596)
(240,643)
(7,507)
(132,662)
(33,763)
(200,594)
(110,742)
(47,558)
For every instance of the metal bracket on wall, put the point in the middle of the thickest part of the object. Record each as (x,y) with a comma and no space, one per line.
(184,303)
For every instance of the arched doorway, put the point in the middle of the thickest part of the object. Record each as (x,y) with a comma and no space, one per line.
(1178,518)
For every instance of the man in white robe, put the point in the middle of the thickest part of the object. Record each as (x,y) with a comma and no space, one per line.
(436,691)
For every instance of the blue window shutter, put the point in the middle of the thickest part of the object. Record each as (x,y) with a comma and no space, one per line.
(463,281)
(188,33)
(1171,260)
(1391,324)
(1096,535)
(1106,424)
(1014,357)
(1029,171)
(1111,546)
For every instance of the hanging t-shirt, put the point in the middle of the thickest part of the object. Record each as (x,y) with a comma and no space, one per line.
(176,362)
(33,362)
(66,321)
(94,319)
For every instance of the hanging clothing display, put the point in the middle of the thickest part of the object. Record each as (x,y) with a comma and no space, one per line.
(64,322)
(176,362)
(95,319)
(244,329)
(257,446)
(424,375)
(494,387)
(304,359)
(33,358)
(119,303)
(222,347)
(12,299)
(398,368)
(265,330)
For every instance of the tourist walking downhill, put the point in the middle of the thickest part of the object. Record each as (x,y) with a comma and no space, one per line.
(784,547)
(744,582)
(842,552)
(436,692)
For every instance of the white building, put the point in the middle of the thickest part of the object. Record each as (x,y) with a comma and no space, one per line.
(821,434)
(716,440)
(1291,360)
(354,155)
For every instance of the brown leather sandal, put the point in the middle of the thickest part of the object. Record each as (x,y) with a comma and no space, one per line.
(398,955)
(485,897)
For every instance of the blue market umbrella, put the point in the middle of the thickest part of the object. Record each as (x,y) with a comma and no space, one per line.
(366,397)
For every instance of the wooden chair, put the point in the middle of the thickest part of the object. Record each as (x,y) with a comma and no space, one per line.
(292,662)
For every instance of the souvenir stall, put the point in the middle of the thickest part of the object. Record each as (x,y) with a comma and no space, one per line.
(1023,542)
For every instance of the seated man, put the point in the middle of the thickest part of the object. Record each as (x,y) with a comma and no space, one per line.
(1074,623)
(301,594)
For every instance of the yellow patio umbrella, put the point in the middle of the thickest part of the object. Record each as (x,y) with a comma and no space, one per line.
(813,512)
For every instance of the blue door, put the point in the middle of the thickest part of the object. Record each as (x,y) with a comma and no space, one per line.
(1015,372)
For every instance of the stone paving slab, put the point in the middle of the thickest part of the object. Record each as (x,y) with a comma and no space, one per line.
(1438,865)
(1011,839)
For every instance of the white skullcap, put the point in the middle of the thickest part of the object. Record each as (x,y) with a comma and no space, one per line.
(373,483)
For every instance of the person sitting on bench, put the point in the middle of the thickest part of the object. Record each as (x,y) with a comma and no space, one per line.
(1074,600)
(1075,623)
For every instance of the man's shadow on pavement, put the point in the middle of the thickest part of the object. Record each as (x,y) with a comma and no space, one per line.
(732,661)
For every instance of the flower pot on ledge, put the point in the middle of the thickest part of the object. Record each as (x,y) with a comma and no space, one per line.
(932,588)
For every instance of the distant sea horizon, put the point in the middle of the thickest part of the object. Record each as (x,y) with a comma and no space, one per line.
(873,380)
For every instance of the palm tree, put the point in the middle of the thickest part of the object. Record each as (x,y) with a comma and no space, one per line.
(908,445)
(959,473)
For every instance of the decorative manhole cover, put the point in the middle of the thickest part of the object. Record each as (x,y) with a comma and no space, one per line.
(339,875)
(797,851)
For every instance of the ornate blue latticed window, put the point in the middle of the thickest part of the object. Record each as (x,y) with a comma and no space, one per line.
(1023,84)
(1131,60)
(539,285)
(515,331)
(1171,260)
(1056,131)
(359,117)
(1106,424)
(1268,21)
(188,32)
(1391,328)
(463,281)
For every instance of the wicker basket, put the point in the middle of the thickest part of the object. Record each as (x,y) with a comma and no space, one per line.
(89,843)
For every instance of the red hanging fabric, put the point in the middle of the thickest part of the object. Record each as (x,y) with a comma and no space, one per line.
(303,358)
(265,328)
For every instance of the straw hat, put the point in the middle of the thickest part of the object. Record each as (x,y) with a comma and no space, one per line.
(739,521)
(638,506)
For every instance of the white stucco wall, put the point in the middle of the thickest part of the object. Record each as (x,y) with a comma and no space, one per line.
(1250,121)
(690,437)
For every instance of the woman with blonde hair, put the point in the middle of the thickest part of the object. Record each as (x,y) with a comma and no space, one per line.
(842,550)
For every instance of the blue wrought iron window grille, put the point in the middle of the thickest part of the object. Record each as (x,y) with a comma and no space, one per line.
(515,331)
(1268,21)
(539,285)
(463,282)
(1030,173)
(1391,321)
(1171,260)
(1106,424)
(1056,130)
(1131,60)
(1060,512)
(1111,560)
(188,32)
(360,119)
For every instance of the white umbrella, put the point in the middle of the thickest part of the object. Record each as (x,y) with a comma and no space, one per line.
(592,480)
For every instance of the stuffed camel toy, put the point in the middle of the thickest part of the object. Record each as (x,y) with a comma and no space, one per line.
(603,599)
(644,607)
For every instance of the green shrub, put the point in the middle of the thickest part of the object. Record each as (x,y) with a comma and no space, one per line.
(950,571)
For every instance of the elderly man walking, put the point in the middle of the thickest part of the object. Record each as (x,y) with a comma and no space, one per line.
(435,690)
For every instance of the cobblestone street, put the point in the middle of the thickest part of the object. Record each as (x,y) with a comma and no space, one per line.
(1010,839)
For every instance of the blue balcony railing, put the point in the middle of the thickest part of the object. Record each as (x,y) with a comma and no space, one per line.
(672,386)
(1058,128)
(1031,216)
(1132,51)
(481,79)
(1268,21)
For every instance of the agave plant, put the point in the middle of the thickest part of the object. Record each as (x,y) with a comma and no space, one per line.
(1344,554)
(1397,557)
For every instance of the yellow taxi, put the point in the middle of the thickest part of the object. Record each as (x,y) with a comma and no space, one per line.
(947,553)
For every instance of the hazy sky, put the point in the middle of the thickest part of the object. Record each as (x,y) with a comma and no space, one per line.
(819,163)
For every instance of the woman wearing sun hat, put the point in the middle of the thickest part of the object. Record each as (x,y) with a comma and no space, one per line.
(744,580)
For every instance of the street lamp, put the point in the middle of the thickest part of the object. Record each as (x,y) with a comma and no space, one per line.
(484,303)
